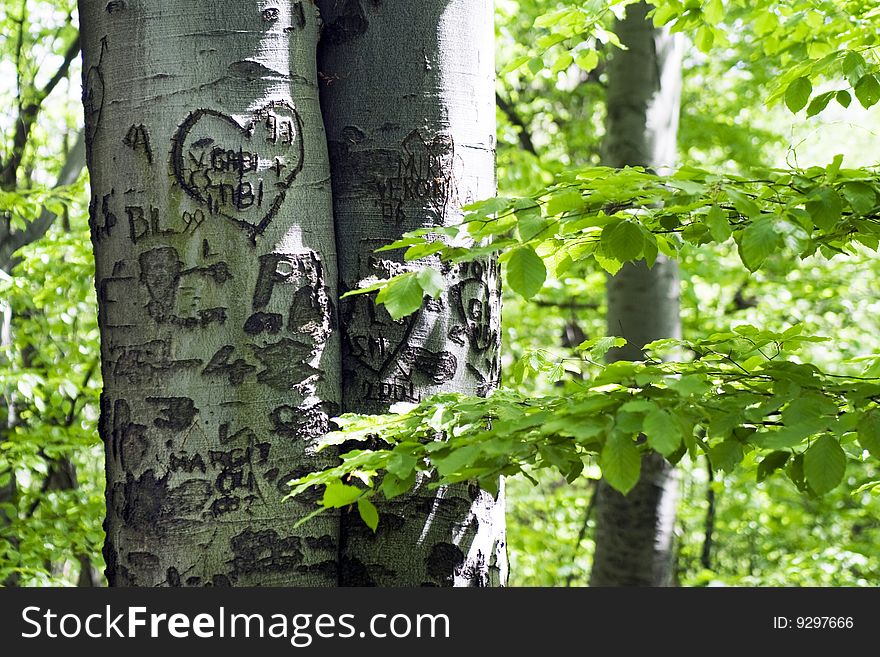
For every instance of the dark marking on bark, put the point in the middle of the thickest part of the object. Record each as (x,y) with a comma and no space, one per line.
(250,70)
(177,413)
(222,164)
(310,311)
(141,561)
(188,463)
(147,222)
(444,563)
(101,231)
(270,14)
(225,504)
(115,6)
(476,572)
(353,134)
(172,577)
(245,434)
(349,20)
(138,139)
(221,581)
(284,363)
(328,569)
(301,423)
(261,322)
(264,552)
(150,361)
(323,543)
(298,15)
(236,371)
(93,100)
(160,273)
(128,441)
(438,367)
(423,181)
(145,501)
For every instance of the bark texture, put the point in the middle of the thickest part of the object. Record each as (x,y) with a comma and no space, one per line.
(211,222)
(634,533)
(407,95)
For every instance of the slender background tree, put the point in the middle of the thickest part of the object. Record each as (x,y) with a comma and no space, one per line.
(634,532)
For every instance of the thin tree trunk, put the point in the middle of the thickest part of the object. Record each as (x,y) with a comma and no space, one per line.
(409,106)
(634,533)
(214,248)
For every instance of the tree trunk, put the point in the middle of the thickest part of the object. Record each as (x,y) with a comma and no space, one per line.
(215,262)
(409,109)
(634,533)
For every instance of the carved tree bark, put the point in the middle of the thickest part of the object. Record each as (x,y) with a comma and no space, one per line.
(212,228)
(408,104)
(634,533)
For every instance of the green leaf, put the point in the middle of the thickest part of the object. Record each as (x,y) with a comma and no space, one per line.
(868,91)
(623,240)
(860,196)
(514,64)
(771,463)
(713,11)
(620,462)
(526,272)
(743,204)
(402,296)
(869,432)
(798,93)
(825,208)
(756,242)
(705,38)
(843,98)
(824,464)
(337,494)
(662,431)
(530,222)
(369,512)
(431,281)
(854,67)
(600,346)
(587,60)
(819,103)
(726,455)
(719,227)
(564,201)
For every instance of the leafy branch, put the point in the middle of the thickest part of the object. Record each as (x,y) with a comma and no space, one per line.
(743,395)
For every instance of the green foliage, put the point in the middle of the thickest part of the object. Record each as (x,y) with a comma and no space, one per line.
(50,375)
(623,215)
(742,393)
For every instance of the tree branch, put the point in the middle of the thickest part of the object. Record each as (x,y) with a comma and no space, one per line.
(525,138)
(28,116)
(73,166)
(709,524)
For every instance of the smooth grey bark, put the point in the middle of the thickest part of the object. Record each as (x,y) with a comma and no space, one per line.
(211,222)
(409,107)
(634,533)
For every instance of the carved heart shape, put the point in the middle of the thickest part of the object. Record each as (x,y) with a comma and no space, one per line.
(240,172)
